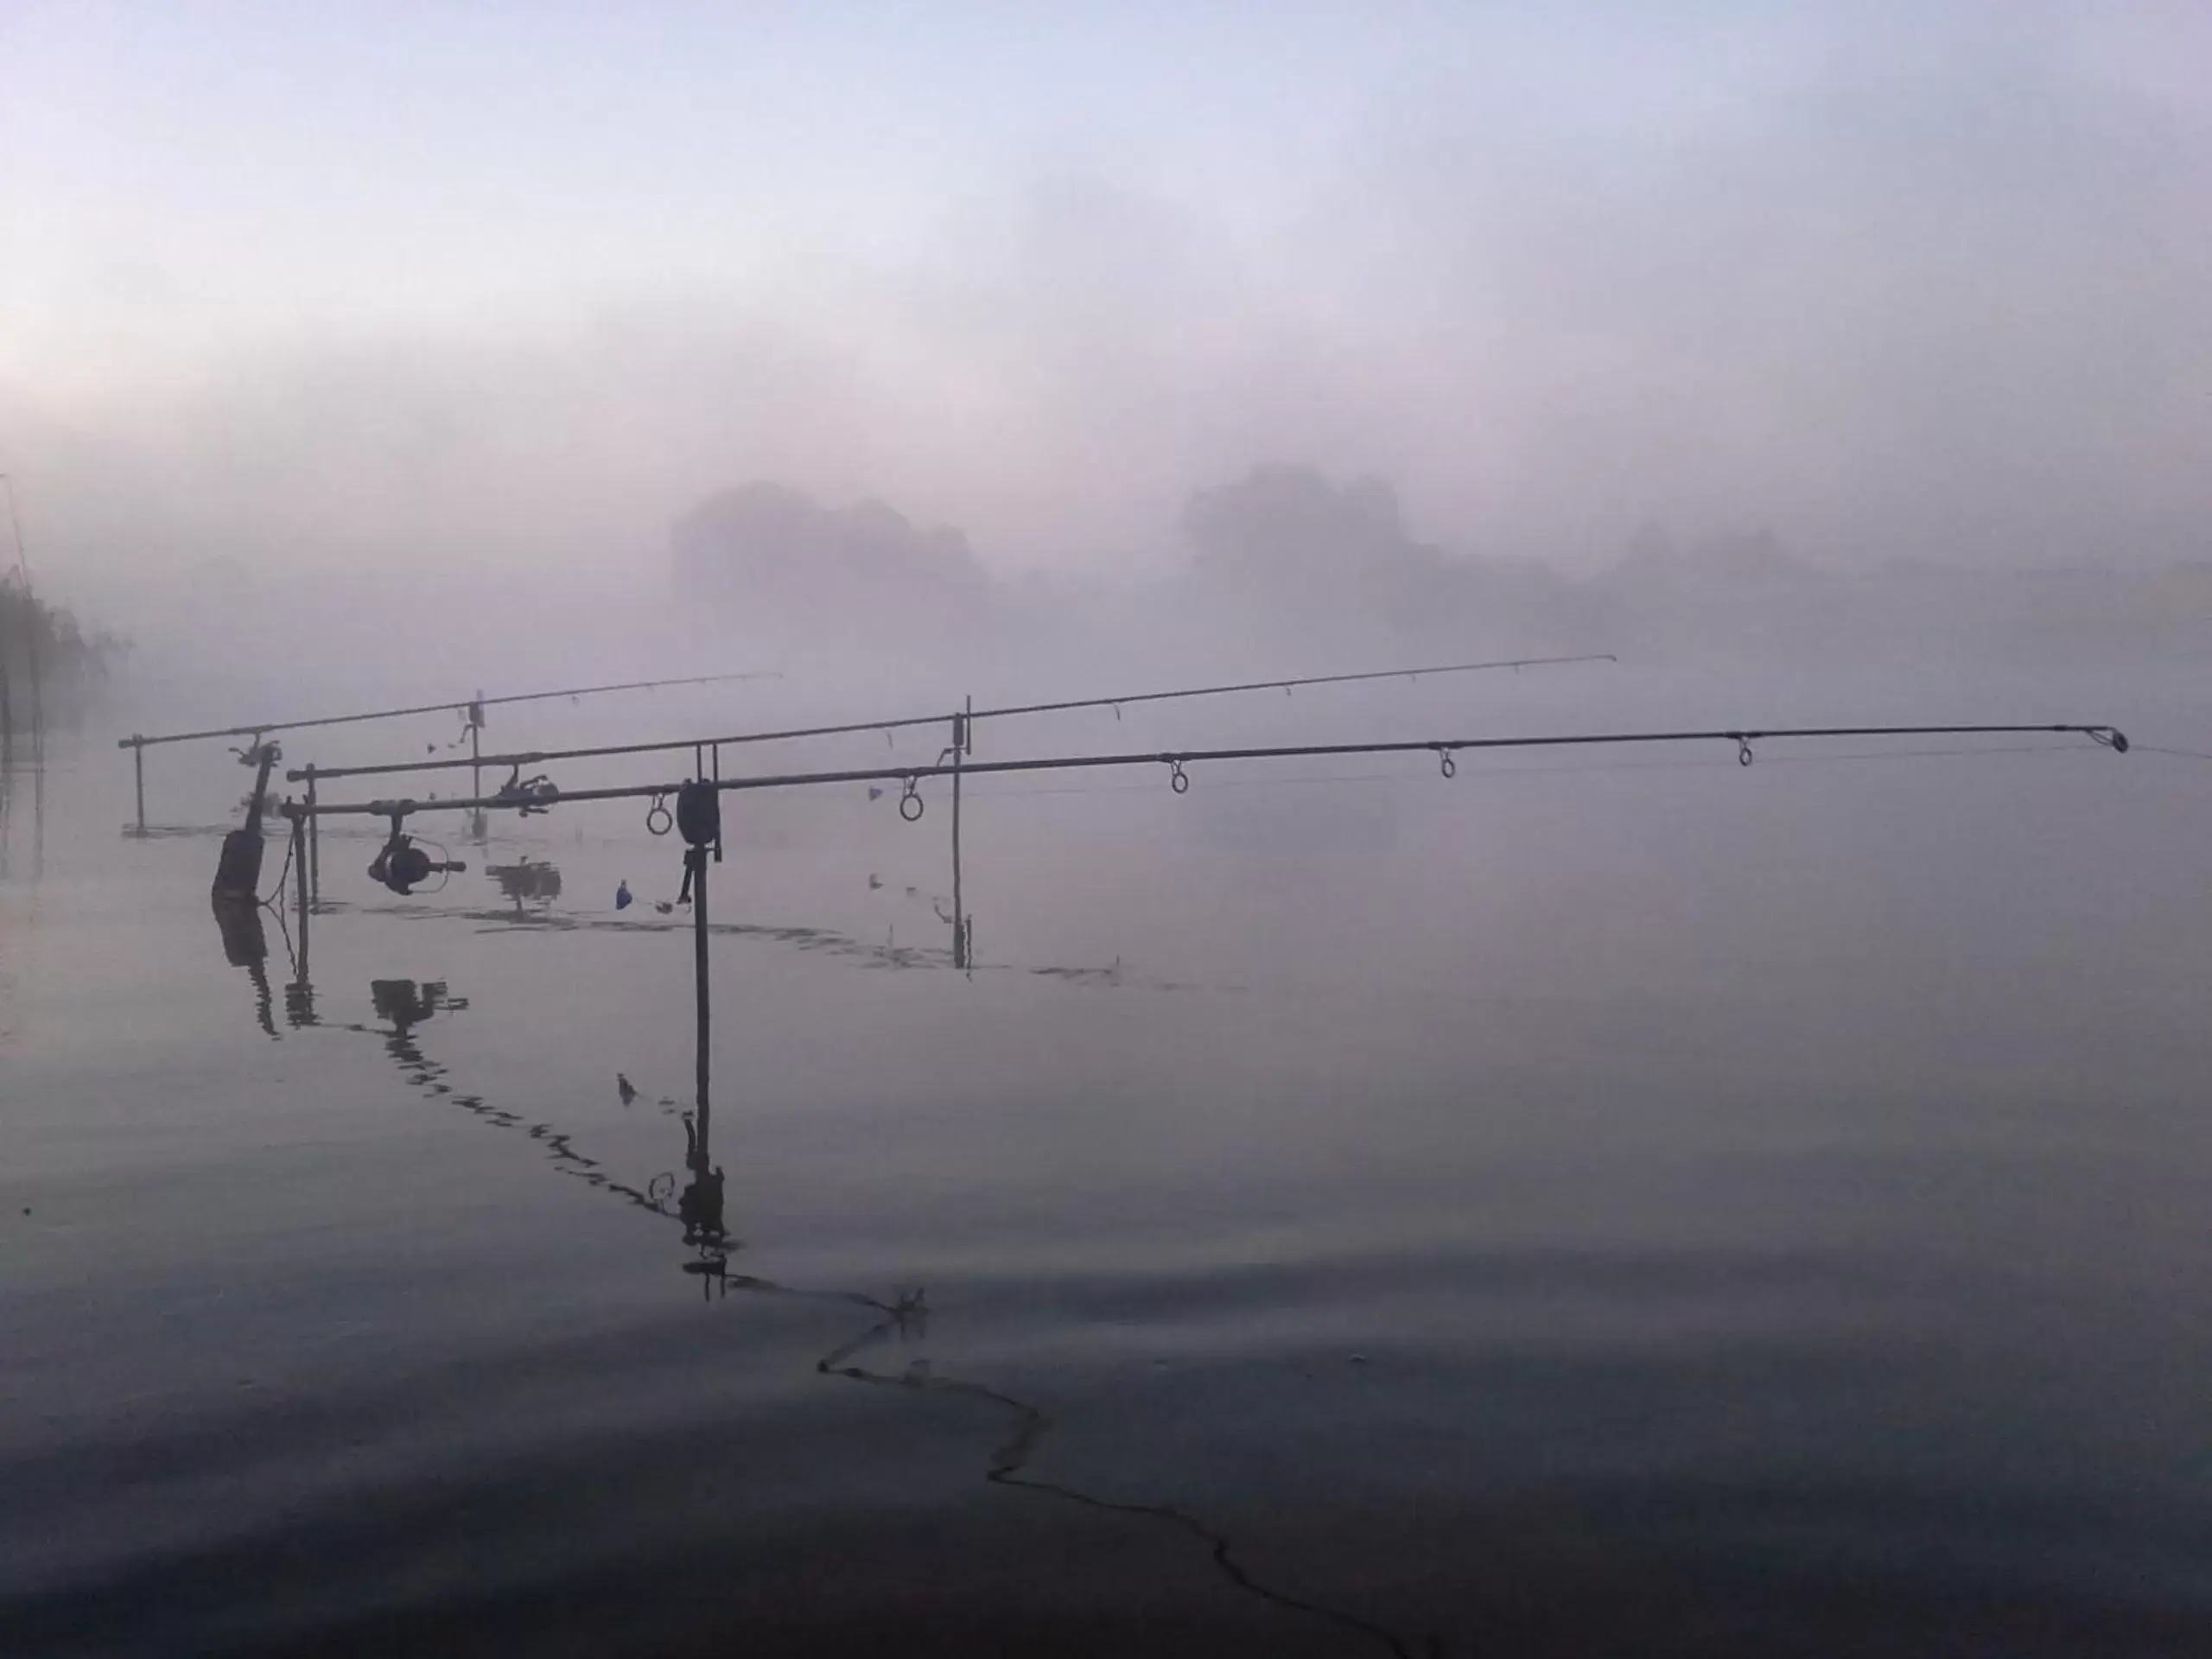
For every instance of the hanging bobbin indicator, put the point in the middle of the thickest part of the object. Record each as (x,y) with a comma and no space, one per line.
(699,816)
(911,805)
(699,813)
(1178,780)
(1445,763)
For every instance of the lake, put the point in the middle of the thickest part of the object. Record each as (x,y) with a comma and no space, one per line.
(1624,1204)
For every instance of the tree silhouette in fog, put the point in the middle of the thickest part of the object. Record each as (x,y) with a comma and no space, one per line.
(766,544)
(1289,523)
(1329,564)
(72,664)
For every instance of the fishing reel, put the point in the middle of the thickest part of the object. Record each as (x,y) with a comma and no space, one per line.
(402,866)
(527,795)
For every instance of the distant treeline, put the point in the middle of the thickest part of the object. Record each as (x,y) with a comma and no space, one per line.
(1283,542)
(71,665)
(1304,564)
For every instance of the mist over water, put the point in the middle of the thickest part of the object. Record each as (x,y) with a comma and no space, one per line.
(1717,1197)
(1593,1201)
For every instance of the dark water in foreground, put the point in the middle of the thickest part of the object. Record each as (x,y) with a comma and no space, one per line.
(1622,1211)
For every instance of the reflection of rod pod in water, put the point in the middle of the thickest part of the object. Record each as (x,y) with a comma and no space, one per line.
(701,1211)
(403,1003)
(537,884)
(245,943)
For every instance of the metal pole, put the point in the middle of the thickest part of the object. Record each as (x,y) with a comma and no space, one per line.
(300,863)
(315,844)
(697,857)
(138,767)
(959,916)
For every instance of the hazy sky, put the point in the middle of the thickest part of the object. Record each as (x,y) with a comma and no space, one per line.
(312,281)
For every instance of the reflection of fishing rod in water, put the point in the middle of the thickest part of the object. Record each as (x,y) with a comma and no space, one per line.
(406,1004)
(245,945)
(904,1317)
(539,883)
(1010,1460)
(700,1206)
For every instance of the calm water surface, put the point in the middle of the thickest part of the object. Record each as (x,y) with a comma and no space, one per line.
(1672,1208)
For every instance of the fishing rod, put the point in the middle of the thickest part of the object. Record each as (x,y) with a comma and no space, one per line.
(1175,760)
(465,703)
(540,756)
(471,709)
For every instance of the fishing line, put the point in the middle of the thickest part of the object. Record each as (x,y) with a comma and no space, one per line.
(276,892)
(284,931)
